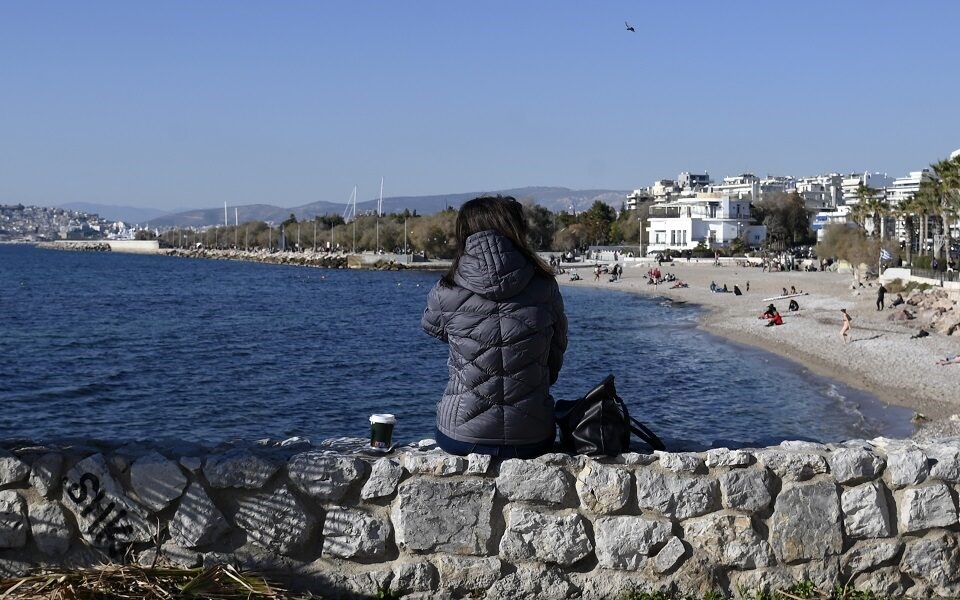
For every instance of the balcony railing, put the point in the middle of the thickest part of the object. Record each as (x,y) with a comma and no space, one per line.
(931,274)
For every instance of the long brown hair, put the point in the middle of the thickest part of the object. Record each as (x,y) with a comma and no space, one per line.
(502,214)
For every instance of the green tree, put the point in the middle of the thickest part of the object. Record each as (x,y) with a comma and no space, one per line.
(945,187)
(540,225)
(597,220)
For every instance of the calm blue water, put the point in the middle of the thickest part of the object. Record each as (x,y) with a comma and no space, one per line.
(122,346)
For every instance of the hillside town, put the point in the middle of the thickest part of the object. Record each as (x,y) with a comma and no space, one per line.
(19,223)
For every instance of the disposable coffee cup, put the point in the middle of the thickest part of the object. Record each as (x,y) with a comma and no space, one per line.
(381,431)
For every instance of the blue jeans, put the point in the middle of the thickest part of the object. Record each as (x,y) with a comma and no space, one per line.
(448,444)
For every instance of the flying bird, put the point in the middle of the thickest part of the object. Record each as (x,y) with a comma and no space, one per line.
(629,27)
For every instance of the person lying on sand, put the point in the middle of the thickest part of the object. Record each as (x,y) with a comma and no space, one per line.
(950,361)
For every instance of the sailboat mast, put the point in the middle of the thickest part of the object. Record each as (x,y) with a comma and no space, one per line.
(354,219)
(379,210)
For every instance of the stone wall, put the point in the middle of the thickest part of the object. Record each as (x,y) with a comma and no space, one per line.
(330,518)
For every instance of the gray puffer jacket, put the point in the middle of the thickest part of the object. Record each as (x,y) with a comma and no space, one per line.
(507,333)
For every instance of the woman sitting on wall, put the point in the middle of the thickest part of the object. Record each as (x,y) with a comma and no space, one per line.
(500,310)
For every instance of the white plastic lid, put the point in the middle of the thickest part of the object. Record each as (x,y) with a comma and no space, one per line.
(383,418)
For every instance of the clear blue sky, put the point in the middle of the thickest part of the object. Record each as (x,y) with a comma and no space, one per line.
(187,104)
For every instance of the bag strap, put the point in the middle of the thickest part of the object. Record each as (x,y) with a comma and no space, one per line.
(643,432)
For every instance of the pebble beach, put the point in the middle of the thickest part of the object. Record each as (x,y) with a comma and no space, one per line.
(882,358)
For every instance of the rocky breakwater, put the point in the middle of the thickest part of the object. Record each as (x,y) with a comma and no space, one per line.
(91,246)
(881,515)
(931,309)
(306,259)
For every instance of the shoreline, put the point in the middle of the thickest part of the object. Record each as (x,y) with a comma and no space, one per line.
(881,360)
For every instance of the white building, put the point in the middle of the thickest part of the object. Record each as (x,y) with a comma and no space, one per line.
(637,197)
(850,184)
(713,219)
(821,192)
(903,188)
(745,185)
(664,189)
(694,181)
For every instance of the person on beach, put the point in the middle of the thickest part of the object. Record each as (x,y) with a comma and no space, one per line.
(768,314)
(776,319)
(500,310)
(845,334)
(897,301)
(784,292)
(793,290)
(794,306)
(881,292)
(955,360)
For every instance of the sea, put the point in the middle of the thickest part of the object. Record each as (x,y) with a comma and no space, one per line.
(125,347)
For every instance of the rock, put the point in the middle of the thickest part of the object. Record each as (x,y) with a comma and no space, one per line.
(906,465)
(746,489)
(106,517)
(533,481)
(603,489)
(156,481)
(443,516)
(275,520)
(435,462)
(413,577)
(544,537)
(12,469)
(184,558)
(935,560)
(865,511)
(194,464)
(723,457)
(326,477)
(530,581)
(626,542)
(676,496)
(806,522)
(466,574)
(13,520)
(793,466)
(886,582)
(197,522)
(557,459)
(803,446)
(239,469)
(946,461)
(478,464)
(680,462)
(384,477)
(927,507)
(351,533)
(637,459)
(729,540)
(45,474)
(669,556)
(49,528)
(867,556)
(855,465)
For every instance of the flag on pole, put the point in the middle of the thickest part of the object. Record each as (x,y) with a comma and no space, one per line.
(884,255)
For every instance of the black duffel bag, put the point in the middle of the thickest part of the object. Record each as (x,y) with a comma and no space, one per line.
(600,424)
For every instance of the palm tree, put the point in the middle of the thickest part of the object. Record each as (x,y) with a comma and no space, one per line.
(946,189)
(924,204)
(906,210)
(871,204)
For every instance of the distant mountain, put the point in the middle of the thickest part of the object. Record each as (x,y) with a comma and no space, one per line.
(553,198)
(127,214)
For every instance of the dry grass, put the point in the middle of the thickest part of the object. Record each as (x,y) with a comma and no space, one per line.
(114,582)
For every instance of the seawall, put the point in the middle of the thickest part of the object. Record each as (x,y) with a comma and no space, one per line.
(881,515)
(128,246)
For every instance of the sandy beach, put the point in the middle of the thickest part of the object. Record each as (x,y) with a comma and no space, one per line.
(881,358)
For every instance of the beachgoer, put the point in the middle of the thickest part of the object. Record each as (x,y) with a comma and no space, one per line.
(736,291)
(768,314)
(881,291)
(725,290)
(748,286)
(784,292)
(954,360)
(794,305)
(793,290)
(500,310)
(596,272)
(897,301)
(920,334)
(845,328)
(776,319)
(713,286)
